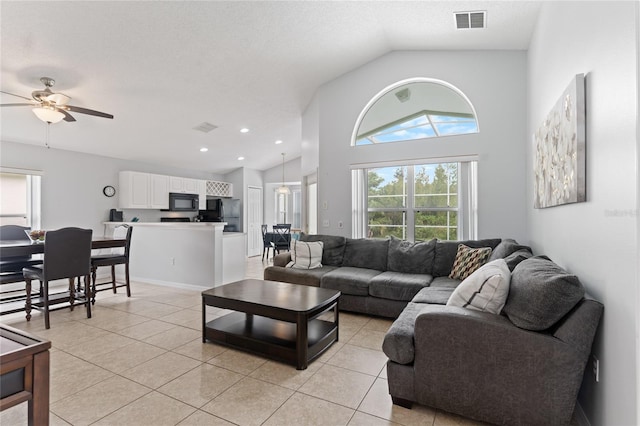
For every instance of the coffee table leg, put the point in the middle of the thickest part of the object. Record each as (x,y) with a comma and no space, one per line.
(302,350)
(204,321)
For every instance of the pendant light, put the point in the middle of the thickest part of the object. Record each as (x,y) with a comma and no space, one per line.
(283,189)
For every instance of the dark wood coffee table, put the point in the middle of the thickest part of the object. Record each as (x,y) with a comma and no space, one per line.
(278,320)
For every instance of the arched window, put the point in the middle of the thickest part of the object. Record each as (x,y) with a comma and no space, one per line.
(418,198)
(417,108)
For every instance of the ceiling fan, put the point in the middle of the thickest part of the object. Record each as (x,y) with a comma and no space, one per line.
(52,107)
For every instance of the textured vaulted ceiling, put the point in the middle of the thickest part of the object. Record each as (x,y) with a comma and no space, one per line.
(163,67)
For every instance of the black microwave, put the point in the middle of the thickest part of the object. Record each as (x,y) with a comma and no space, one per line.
(183,202)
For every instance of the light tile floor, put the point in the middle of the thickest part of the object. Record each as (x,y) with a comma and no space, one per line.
(140,361)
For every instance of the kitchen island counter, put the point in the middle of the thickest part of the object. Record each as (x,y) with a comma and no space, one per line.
(186,254)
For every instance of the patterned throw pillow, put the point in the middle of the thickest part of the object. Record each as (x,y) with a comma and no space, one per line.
(306,255)
(468,260)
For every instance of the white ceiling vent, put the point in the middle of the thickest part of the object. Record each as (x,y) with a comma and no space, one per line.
(205,127)
(467,20)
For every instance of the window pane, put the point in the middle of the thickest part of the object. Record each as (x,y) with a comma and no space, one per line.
(456,128)
(421,132)
(387,187)
(14,197)
(441,225)
(436,185)
(385,224)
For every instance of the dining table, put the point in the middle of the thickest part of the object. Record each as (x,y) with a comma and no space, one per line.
(11,248)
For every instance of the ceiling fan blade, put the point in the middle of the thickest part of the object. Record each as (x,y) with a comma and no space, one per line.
(67,117)
(4,105)
(87,111)
(18,96)
(58,98)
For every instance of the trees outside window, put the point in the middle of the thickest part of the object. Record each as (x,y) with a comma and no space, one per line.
(415,202)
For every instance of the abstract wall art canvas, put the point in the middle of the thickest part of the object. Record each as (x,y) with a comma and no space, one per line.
(559,144)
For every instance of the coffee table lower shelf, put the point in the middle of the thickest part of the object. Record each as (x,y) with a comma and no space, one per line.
(270,337)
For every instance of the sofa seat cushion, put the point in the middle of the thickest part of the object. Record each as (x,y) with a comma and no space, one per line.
(398,343)
(368,253)
(348,280)
(310,277)
(541,293)
(412,258)
(433,295)
(445,282)
(398,286)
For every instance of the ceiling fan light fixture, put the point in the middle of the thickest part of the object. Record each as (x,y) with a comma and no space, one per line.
(48,114)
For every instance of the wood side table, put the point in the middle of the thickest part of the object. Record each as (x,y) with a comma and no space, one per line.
(24,373)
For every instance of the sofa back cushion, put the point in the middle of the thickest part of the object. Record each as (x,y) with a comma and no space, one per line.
(333,247)
(541,293)
(409,257)
(370,253)
(446,253)
(506,248)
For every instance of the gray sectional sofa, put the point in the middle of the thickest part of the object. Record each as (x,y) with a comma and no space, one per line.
(523,366)
(377,276)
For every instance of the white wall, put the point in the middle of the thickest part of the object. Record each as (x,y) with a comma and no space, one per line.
(494,81)
(598,239)
(310,143)
(72,183)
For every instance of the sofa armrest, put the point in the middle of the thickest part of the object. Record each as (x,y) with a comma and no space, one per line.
(281,259)
(472,362)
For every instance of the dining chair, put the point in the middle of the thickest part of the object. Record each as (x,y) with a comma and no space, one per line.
(118,256)
(266,242)
(67,254)
(282,237)
(12,296)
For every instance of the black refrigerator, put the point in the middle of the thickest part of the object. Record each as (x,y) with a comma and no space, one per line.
(223,210)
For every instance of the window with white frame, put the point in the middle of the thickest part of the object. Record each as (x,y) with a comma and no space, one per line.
(20,198)
(417,201)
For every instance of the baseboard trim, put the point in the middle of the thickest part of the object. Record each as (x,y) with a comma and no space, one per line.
(581,417)
(168,284)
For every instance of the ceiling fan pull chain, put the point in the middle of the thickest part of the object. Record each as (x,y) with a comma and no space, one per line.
(46,141)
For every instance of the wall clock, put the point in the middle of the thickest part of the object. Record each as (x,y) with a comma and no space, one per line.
(109,191)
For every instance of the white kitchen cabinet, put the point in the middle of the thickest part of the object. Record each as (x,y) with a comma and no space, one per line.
(143,191)
(190,186)
(202,194)
(134,190)
(183,185)
(158,191)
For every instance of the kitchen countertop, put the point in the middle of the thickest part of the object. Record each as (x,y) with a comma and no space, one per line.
(186,225)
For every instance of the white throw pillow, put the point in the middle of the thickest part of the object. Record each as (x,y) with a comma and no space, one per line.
(485,290)
(306,255)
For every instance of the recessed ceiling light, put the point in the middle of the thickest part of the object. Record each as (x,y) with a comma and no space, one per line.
(240,158)
(204,149)
(244,130)
(278,142)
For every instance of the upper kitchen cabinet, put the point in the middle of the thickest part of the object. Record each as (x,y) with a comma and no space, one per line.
(183,185)
(202,194)
(143,191)
(158,192)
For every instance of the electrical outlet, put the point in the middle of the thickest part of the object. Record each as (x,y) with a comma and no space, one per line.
(340,224)
(596,368)
(325,223)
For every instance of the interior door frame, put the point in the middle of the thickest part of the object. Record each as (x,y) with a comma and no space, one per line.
(255,227)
